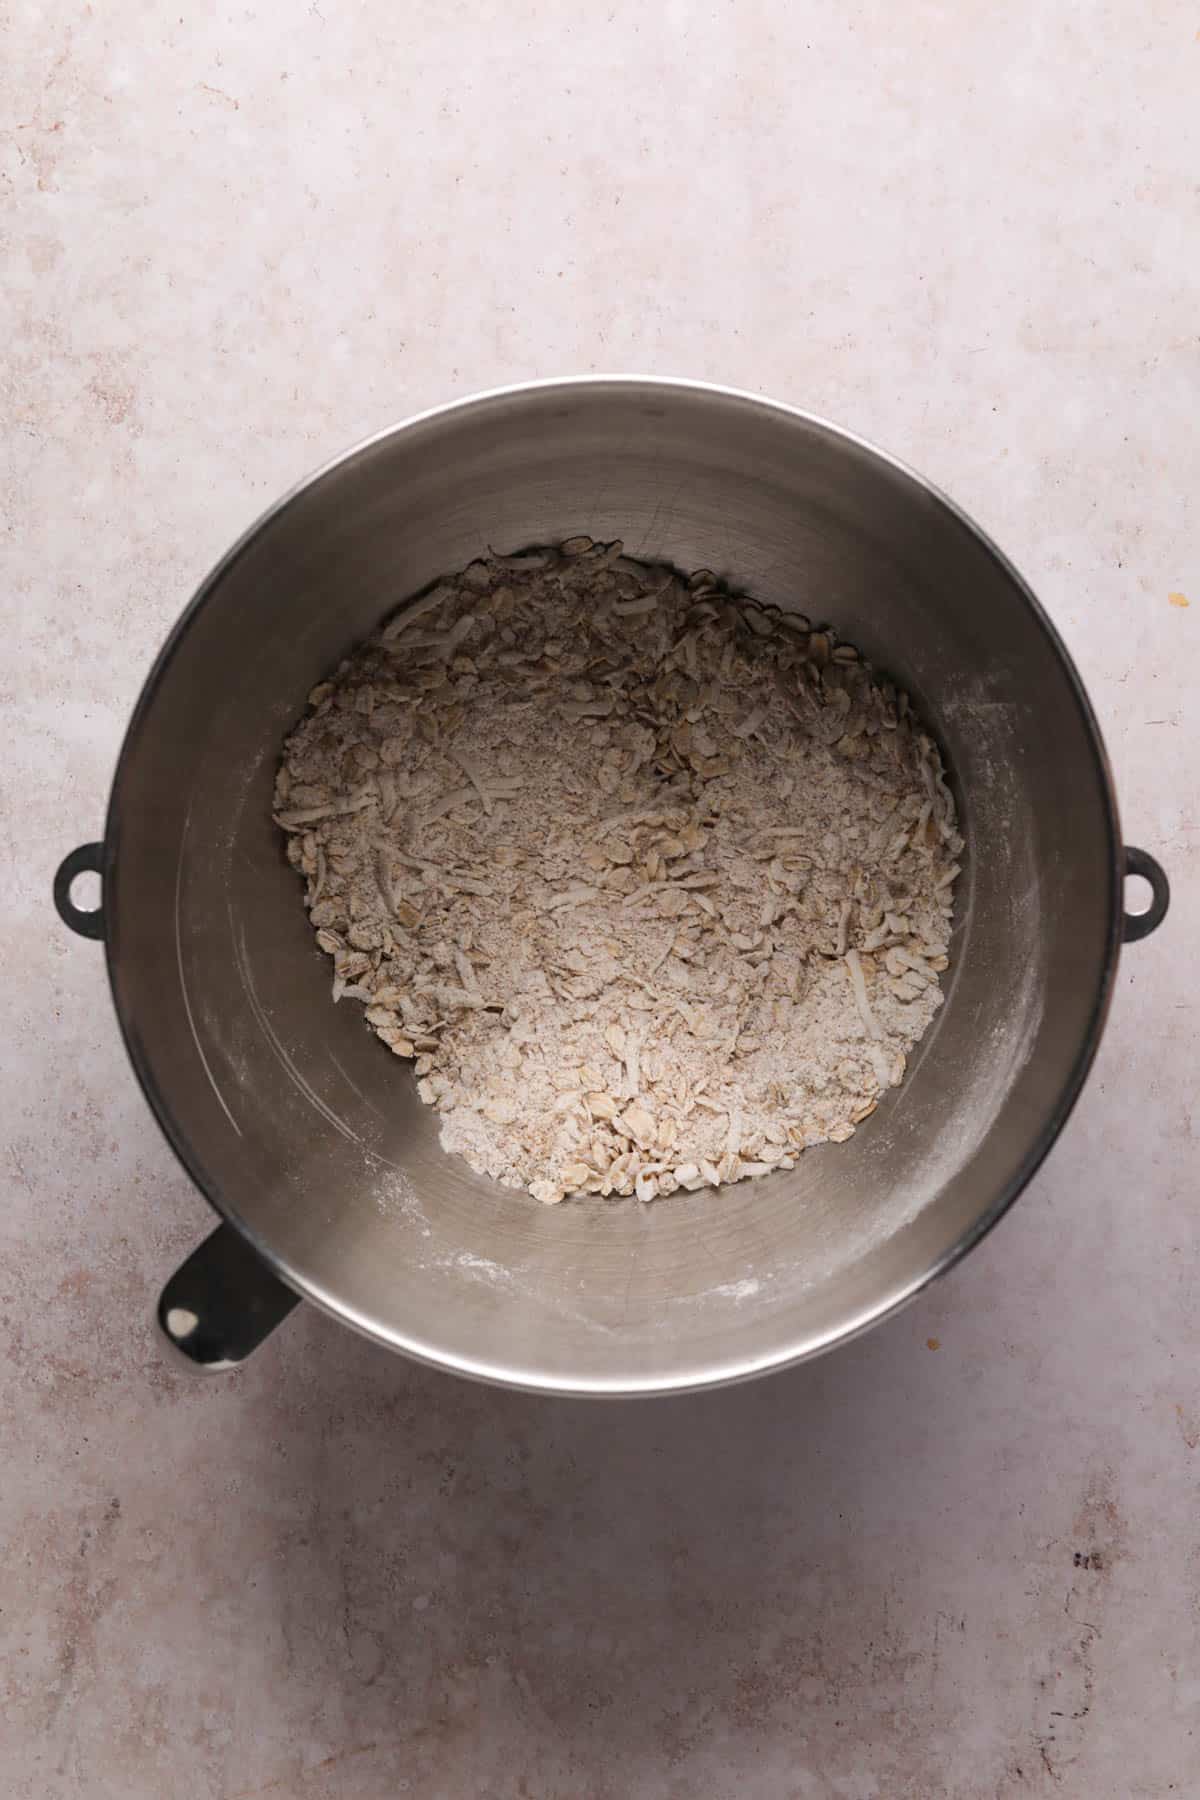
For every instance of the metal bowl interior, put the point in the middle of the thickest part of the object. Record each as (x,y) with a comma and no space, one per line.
(307,1134)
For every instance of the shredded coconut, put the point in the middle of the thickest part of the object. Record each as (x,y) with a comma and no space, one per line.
(654,884)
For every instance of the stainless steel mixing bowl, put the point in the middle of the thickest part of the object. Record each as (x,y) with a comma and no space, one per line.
(305,1133)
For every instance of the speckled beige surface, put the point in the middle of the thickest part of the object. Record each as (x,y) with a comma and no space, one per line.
(233,242)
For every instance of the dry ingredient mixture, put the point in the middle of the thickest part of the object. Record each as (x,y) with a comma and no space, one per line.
(653,882)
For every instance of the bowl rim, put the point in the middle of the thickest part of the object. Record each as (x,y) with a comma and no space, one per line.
(718,1373)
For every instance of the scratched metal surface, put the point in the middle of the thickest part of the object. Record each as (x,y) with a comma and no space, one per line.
(960,1557)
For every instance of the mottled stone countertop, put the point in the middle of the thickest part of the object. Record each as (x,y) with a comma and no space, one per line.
(961,1558)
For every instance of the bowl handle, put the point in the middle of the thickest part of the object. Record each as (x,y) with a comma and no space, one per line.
(88,859)
(1140,925)
(222,1302)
